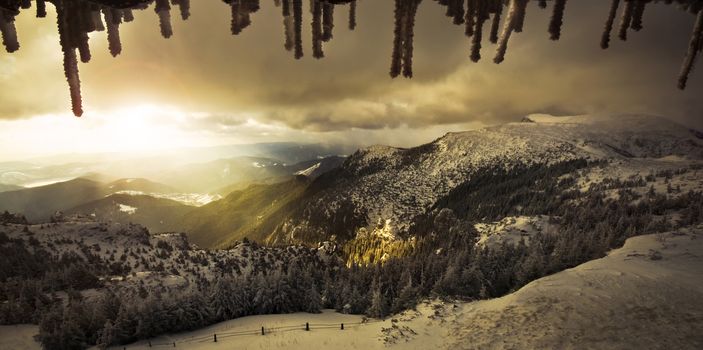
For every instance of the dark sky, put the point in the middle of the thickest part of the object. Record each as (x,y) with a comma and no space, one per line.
(206,86)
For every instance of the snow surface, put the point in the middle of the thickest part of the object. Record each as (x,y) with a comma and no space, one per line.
(308,171)
(127,209)
(46,182)
(645,295)
(192,199)
(513,229)
(19,337)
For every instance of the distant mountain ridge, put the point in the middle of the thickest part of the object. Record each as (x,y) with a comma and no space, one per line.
(159,166)
(6,188)
(39,203)
(162,207)
(157,214)
(223,175)
(379,188)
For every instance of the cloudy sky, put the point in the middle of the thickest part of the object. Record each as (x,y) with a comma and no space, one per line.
(204,86)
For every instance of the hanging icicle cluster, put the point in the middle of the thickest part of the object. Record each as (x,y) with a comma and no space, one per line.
(402,59)
(77,18)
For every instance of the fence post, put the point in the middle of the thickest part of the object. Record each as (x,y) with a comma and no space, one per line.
(215,337)
(262,330)
(342,326)
(307,326)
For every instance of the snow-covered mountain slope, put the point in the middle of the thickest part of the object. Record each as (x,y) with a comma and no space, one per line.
(631,136)
(391,186)
(308,171)
(128,256)
(644,295)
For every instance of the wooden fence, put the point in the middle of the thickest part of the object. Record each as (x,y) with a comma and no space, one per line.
(216,337)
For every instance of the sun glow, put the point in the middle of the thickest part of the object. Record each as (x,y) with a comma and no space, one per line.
(136,129)
(144,128)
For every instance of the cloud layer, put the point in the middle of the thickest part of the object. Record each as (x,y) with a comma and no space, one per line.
(225,84)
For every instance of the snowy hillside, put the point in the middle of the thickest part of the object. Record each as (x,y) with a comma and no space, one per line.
(130,257)
(642,295)
(382,184)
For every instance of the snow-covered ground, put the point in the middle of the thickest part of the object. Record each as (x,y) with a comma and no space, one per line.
(192,199)
(648,295)
(513,229)
(645,295)
(127,209)
(19,337)
(308,171)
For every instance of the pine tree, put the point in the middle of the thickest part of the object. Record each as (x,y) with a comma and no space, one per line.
(107,335)
(124,326)
(379,302)
(408,295)
(223,306)
(313,301)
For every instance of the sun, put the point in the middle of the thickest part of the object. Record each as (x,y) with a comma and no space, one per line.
(142,128)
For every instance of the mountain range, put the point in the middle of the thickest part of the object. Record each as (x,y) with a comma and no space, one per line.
(384,190)
(388,188)
(472,215)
